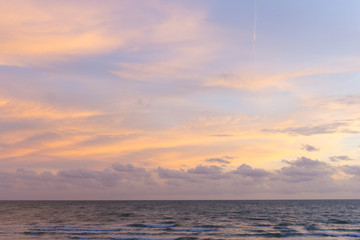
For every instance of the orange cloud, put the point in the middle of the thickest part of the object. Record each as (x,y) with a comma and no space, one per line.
(261,78)
(33,110)
(34,30)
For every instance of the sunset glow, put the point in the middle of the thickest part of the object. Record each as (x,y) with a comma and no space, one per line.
(179,99)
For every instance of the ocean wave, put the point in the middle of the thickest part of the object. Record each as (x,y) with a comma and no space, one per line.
(35,233)
(346,230)
(141,225)
(75,229)
(325,234)
(272,235)
(83,238)
(126,215)
(191,229)
(124,238)
(311,227)
(338,221)
(187,238)
(210,226)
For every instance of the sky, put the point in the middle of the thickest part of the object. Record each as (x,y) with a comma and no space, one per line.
(170,99)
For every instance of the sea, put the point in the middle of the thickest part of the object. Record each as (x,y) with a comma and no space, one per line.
(180,220)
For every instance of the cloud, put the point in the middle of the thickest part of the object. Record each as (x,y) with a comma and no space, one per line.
(248,171)
(210,172)
(30,109)
(304,169)
(222,135)
(126,181)
(28,145)
(38,29)
(33,141)
(169,173)
(309,148)
(198,173)
(44,32)
(299,176)
(310,130)
(217,160)
(90,178)
(349,100)
(279,78)
(131,171)
(351,170)
(205,170)
(340,158)
(105,139)
(17,125)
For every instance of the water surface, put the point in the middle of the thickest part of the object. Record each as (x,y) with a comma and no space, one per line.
(293,219)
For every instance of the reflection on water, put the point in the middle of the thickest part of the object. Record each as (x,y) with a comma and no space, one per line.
(293,219)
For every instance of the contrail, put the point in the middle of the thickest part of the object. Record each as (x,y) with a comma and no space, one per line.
(254,31)
(254,40)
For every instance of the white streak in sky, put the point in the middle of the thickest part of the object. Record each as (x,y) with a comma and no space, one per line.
(254,30)
(254,34)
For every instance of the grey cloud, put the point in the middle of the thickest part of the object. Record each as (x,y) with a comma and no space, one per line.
(248,171)
(169,173)
(201,172)
(310,130)
(73,184)
(107,177)
(299,176)
(340,158)
(222,135)
(350,100)
(13,125)
(77,174)
(105,139)
(29,177)
(36,140)
(229,76)
(126,181)
(217,160)
(349,131)
(143,103)
(304,169)
(351,170)
(197,173)
(309,148)
(304,162)
(6,180)
(129,169)
(205,170)
(39,138)
(28,174)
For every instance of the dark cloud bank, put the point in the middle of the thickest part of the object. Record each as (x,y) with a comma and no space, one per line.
(300,178)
